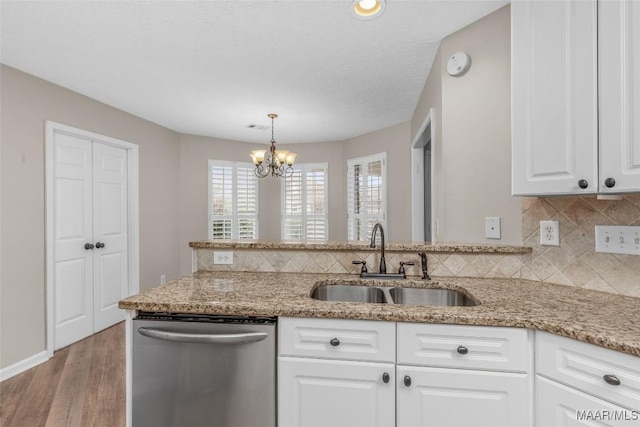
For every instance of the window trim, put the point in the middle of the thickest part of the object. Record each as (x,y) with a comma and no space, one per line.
(234,226)
(304,167)
(364,160)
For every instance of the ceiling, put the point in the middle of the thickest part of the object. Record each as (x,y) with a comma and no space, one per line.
(213,67)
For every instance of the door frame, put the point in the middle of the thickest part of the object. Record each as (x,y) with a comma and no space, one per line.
(133,239)
(417,182)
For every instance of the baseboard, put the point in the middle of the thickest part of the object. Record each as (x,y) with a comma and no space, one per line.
(23,365)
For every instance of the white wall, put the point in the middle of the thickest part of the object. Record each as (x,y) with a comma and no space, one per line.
(26,102)
(474,173)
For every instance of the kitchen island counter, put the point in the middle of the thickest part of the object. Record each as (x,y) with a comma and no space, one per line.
(599,318)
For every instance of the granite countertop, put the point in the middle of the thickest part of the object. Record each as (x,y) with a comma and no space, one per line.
(356,245)
(604,319)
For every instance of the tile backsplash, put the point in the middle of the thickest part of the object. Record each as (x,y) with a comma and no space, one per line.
(573,263)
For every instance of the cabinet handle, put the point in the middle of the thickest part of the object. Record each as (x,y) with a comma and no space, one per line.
(462,349)
(407,380)
(334,342)
(88,246)
(610,182)
(611,379)
(583,183)
(99,245)
(385,377)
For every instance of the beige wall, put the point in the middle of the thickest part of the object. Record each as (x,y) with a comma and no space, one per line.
(473,175)
(26,102)
(393,140)
(195,152)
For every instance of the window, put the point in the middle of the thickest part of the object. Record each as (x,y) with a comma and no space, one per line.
(366,195)
(233,200)
(305,203)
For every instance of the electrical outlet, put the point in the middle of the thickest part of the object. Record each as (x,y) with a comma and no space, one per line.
(549,233)
(222,257)
(492,227)
(618,239)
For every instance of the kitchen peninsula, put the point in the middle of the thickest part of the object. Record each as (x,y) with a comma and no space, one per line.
(517,336)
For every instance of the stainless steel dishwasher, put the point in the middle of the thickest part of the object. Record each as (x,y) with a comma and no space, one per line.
(197,370)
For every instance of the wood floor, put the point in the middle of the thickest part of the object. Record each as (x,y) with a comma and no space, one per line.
(81,385)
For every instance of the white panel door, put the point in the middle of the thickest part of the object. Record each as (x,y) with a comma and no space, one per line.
(619,91)
(462,398)
(335,393)
(554,97)
(73,264)
(110,260)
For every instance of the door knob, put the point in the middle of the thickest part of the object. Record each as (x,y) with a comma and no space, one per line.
(88,246)
(334,342)
(583,183)
(407,380)
(610,182)
(99,245)
(462,349)
(385,377)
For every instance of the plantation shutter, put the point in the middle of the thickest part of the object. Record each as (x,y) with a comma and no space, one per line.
(305,200)
(366,195)
(233,201)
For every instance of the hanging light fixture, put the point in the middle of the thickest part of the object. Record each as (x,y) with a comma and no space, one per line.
(277,163)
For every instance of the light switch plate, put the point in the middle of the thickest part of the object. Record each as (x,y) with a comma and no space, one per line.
(618,239)
(492,227)
(223,257)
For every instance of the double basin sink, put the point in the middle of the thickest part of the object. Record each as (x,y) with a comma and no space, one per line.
(392,295)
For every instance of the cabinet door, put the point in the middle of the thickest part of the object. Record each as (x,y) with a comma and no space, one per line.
(554,97)
(619,91)
(558,405)
(333,393)
(449,397)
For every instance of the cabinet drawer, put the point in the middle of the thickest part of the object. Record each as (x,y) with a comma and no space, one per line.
(365,340)
(584,367)
(467,347)
(559,405)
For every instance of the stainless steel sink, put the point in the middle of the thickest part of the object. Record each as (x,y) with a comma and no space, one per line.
(430,296)
(392,295)
(346,293)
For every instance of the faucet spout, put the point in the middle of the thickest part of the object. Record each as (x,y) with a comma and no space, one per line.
(383,264)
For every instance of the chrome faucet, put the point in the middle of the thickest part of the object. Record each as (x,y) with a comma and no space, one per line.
(383,265)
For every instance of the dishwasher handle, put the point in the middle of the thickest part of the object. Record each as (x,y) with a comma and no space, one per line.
(240,338)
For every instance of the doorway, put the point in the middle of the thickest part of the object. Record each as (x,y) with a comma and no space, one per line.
(423,220)
(91,232)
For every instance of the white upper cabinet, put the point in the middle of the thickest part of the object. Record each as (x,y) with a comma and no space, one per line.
(575,67)
(619,92)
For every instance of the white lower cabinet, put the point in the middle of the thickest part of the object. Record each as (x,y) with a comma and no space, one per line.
(559,405)
(335,393)
(456,397)
(582,384)
(334,373)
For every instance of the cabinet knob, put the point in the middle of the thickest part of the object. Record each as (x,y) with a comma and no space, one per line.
(385,377)
(610,182)
(99,245)
(334,342)
(583,183)
(611,379)
(462,349)
(88,246)
(407,380)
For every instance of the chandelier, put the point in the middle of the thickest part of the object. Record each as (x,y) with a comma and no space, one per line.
(277,163)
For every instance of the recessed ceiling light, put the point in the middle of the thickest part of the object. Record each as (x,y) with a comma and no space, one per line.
(367,9)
